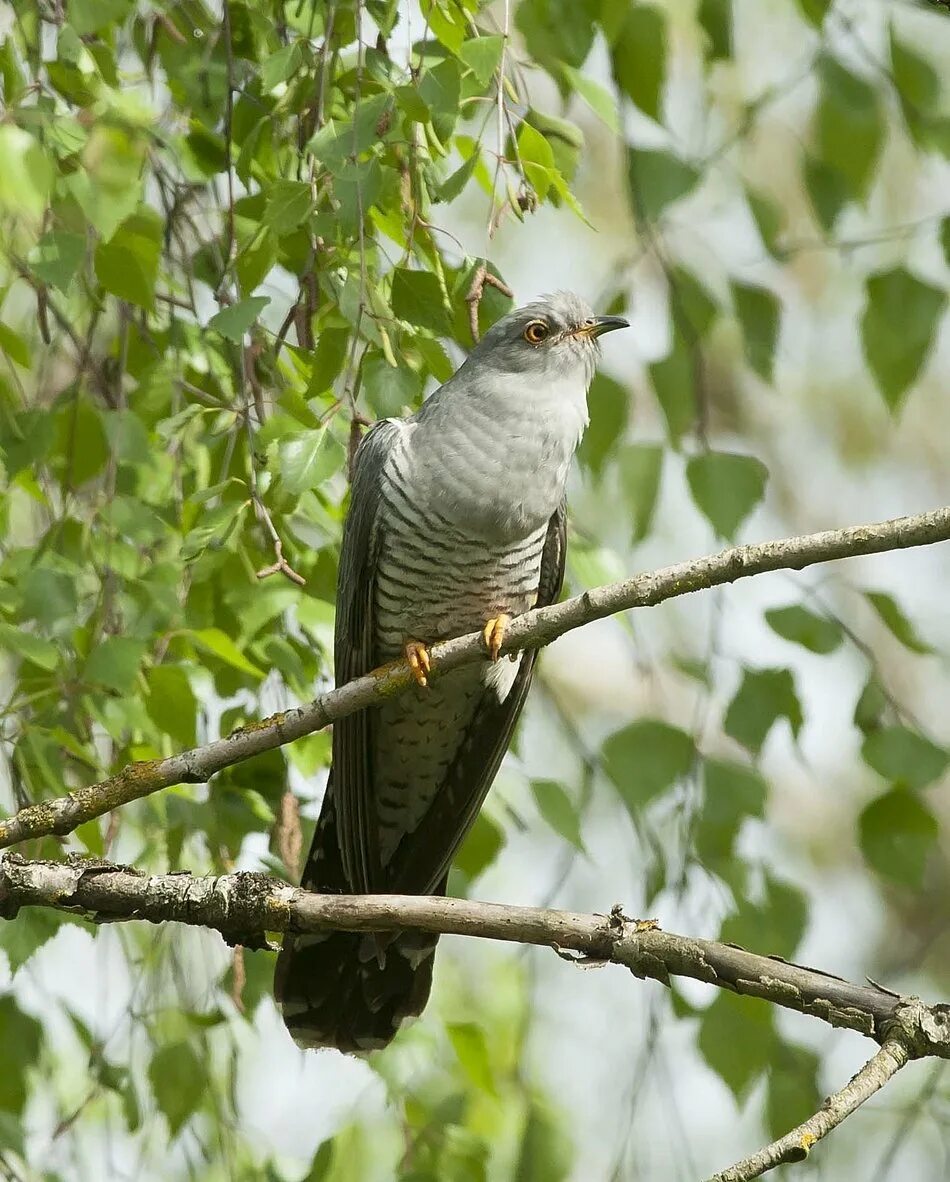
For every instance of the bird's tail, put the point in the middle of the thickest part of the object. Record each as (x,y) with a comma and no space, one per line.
(349,990)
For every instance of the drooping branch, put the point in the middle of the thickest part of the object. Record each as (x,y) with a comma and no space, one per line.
(244,907)
(883,1065)
(533,630)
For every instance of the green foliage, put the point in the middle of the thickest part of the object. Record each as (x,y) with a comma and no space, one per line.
(726,488)
(646,758)
(230,234)
(904,756)
(897,329)
(765,696)
(898,833)
(800,626)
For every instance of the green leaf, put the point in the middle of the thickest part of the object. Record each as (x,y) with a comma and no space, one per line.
(468,1042)
(765,696)
(815,11)
(482,55)
(800,626)
(893,617)
(870,707)
(332,346)
(20,1037)
(558,32)
(608,404)
(640,466)
(736,1036)
(171,703)
(440,88)
(758,311)
(638,56)
(898,833)
(646,758)
(726,488)
(674,381)
(14,346)
(57,257)
(288,206)
(309,459)
(453,185)
(546,1152)
(600,100)
(81,440)
(214,641)
(558,810)
(481,847)
(29,646)
(690,303)
(127,265)
(234,321)
(898,329)
(178,1079)
(657,179)
(916,80)
(850,124)
(537,159)
(793,1094)
(775,926)
(30,931)
(715,17)
(25,173)
(827,190)
(418,299)
(945,239)
(904,756)
(731,793)
(115,663)
(280,66)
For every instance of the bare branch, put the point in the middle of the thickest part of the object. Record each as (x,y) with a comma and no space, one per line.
(532,630)
(795,1146)
(244,907)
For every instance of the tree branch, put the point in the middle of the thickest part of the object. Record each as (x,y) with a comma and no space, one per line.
(795,1146)
(533,630)
(244,907)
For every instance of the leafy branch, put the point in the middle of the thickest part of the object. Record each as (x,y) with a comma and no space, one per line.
(63,814)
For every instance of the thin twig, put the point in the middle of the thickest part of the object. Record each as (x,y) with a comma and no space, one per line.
(281,565)
(795,1146)
(480,279)
(534,629)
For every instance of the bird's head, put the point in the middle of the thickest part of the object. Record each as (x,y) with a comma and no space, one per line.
(554,337)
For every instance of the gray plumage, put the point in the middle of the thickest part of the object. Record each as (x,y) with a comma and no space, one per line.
(456,517)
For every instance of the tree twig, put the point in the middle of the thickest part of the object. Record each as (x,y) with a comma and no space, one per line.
(482,278)
(244,907)
(795,1146)
(534,629)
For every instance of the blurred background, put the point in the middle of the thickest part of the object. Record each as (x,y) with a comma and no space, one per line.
(228,236)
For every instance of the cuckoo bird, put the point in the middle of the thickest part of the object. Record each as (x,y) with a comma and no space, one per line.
(456,524)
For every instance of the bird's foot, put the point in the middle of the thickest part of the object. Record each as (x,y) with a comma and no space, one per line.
(494,634)
(418,657)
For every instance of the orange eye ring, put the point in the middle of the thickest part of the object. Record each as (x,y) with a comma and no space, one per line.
(536,332)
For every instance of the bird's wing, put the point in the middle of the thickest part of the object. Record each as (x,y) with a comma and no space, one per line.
(354,655)
(422,858)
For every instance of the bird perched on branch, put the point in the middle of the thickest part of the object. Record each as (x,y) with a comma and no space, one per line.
(456,524)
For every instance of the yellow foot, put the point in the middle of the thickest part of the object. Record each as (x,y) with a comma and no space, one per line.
(418,657)
(494,634)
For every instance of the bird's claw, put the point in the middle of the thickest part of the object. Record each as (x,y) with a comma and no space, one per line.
(494,634)
(418,657)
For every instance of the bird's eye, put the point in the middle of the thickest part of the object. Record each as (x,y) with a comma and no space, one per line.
(536,332)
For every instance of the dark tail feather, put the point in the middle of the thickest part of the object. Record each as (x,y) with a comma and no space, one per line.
(349,990)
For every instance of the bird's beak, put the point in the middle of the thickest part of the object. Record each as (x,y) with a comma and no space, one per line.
(601,324)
